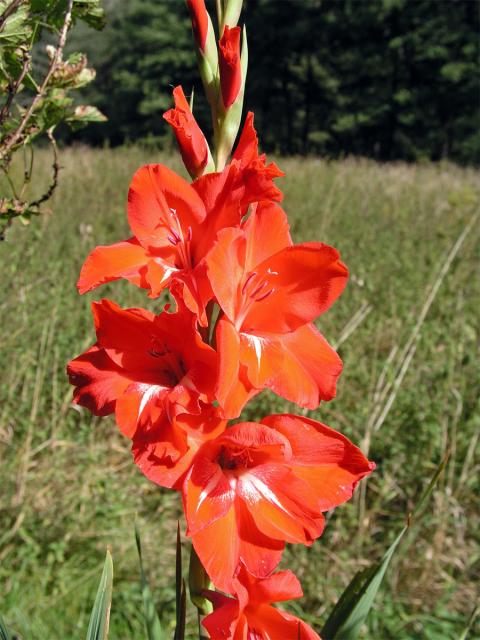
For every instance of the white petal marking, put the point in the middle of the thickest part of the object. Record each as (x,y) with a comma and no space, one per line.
(257,345)
(148,392)
(211,484)
(260,489)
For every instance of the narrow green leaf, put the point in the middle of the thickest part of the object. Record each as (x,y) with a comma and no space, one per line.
(100,616)
(353,606)
(152,621)
(470,623)
(181,595)
(4,634)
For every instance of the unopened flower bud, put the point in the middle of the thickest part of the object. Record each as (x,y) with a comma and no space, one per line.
(230,69)
(199,16)
(191,141)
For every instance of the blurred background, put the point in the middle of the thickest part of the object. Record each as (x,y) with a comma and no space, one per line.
(387,79)
(372,110)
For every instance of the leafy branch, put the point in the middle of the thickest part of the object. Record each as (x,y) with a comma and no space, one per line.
(34,108)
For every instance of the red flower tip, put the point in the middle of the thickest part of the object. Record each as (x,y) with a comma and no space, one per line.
(190,139)
(199,16)
(229,61)
(249,613)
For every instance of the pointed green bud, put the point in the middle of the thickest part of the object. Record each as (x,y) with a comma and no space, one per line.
(198,582)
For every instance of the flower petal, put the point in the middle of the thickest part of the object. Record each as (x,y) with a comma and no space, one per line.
(126,260)
(267,232)
(310,367)
(303,280)
(158,200)
(232,391)
(323,458)
(98,381)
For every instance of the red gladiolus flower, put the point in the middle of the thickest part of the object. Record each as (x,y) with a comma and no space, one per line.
(190,139)
(174,225)
(250,616)
(199,16)
(172,232)
(257,176)
(229,62)
(258,486)
(273,292)
(144,368)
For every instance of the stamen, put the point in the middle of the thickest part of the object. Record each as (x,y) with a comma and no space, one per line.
(173,240)
(189,234)
(258,289)
(265,295)
(252,275)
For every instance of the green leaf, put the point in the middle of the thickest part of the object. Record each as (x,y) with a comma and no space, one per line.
(83,115)
(353,606)
(470,623)
(181,595)
(4,635)
(152,621)
(100,616)
(15,29)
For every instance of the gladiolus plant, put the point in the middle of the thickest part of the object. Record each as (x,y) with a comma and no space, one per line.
(245,301)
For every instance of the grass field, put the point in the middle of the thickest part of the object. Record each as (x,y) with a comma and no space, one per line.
(408,394)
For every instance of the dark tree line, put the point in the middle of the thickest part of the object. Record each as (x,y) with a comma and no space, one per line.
(389,79)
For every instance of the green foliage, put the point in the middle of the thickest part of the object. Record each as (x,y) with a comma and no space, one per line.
(389,79)
(152,621)
(100,618)
(4,634)
(37,97)
(353,607)
(146,50)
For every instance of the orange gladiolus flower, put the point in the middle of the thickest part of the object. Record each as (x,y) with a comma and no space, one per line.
(174,225)
(143,367)
(249,615)
(258,486)
(273,292)
(190,139)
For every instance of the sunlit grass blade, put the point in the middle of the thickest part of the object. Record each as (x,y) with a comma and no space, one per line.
(4,634)
(152,621)
(470,623)
(181,596)
(100,616)
(353,606)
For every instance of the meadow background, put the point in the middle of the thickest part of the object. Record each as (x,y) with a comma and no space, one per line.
(69,487)
(389,79)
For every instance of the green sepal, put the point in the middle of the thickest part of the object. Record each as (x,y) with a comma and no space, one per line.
(231,13)
(198,582)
